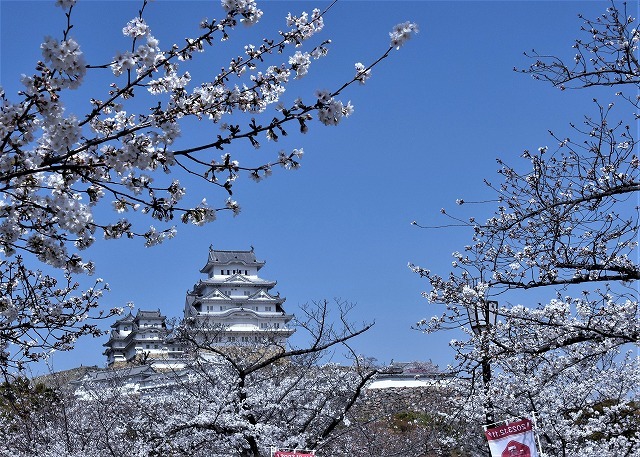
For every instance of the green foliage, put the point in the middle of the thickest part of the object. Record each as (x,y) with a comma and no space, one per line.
(406,420)
(22,397)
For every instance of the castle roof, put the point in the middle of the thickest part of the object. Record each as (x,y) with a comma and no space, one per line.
(216,257)
(149,314)
(239,280)
(123,320)
(215,295)
(135,373)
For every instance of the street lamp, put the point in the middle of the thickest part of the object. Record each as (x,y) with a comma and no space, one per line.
(484,314)
(481,317)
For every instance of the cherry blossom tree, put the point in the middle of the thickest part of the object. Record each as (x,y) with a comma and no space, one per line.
(57,168)
(300,397)
(230,400)
(567,223)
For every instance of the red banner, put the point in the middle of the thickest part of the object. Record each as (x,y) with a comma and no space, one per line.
(293,454)
(514,439)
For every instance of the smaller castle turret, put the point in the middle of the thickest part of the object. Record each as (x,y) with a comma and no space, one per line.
(143,336)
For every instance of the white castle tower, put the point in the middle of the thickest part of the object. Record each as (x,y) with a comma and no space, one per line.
(233,305)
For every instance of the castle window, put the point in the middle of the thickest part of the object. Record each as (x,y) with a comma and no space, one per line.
(221,272)
(267,308)
(246,272)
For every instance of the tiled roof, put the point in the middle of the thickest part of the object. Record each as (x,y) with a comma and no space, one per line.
(229,257)
(240,281)
(123,373)
(147,314)
(126,319)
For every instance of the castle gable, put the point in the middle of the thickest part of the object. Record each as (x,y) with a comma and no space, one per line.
(238,278)
(216,294)
(263,295)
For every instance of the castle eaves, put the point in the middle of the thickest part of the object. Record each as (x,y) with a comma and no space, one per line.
(247,258)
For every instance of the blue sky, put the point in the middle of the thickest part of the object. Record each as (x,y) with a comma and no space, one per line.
(426,131)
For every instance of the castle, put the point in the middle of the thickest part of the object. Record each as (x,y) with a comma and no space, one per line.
(233,306)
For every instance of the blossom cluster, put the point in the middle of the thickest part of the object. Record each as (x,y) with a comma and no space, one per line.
(331,110)
(362,73)
(67,59)
(145,57)
(247,9)
(401,33)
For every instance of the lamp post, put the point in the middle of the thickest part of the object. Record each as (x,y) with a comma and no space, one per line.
(481,317)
